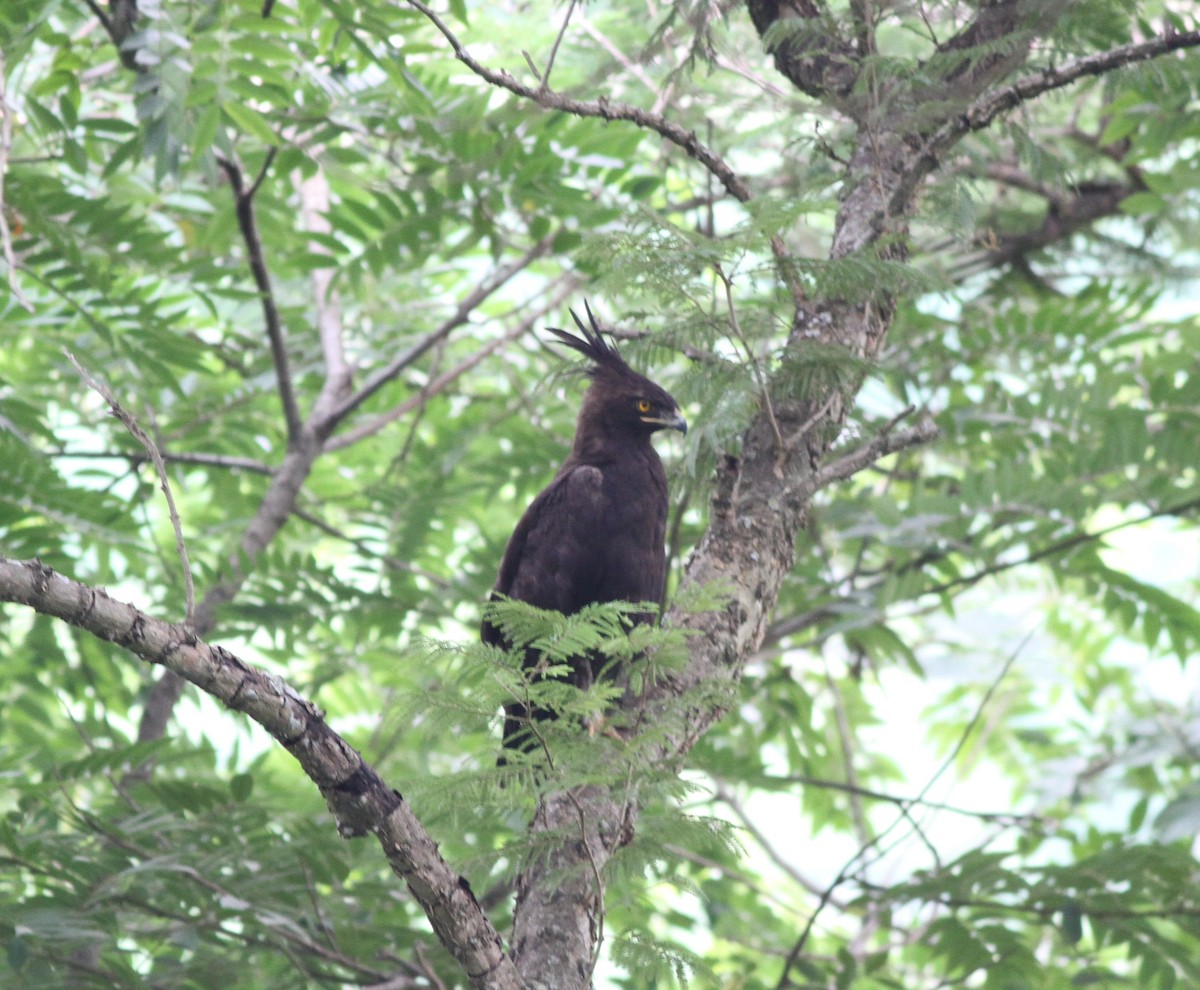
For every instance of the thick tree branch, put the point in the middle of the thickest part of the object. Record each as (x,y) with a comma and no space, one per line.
(243,198)
(808,49)
(273,511)
(360,801)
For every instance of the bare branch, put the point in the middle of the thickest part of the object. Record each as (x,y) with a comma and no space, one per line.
(904,813)
(609,46)
(360,801)
(730,800)
(885,443)
(248,225)
(545,76)
(1001,817)
(602,108)
(208,460)
(152,449)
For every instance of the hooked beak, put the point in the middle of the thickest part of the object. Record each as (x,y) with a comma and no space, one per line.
(672,422)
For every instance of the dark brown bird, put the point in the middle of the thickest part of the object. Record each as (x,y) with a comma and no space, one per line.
(596,532)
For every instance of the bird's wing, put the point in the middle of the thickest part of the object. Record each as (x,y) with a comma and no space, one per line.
(550,560)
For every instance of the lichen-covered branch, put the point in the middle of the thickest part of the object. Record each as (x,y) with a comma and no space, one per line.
(360,801)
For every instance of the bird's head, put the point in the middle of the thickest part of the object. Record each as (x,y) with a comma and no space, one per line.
(619,401)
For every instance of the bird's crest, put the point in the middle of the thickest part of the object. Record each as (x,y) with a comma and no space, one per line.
(601,352)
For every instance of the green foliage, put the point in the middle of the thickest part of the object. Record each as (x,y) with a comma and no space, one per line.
(964,754)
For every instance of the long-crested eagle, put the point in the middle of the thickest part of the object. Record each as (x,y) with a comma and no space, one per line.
(596,532)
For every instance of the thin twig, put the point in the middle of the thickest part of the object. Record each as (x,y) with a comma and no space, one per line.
(815,418)
(736,330)
(626,63)
(846,740)
(1005,818)
(727,797)
(160,466)
(597,879)
(314,207)
(991,104)
(427,967)
(879,446)
(603,108)
(448,377)
(6,134)
(762,893)
(493,281)
(904,814)
(545,78)
(248,225)
(208,460)
(395,563)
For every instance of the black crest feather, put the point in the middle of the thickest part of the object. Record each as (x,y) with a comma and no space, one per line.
(593,345)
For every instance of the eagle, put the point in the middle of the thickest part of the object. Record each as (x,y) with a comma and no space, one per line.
(596,532)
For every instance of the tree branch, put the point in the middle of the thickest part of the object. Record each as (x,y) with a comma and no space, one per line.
(209,460)
(160,468)
(494,280)
(904,813)
(601,107)
(244,206)
(885,443)
(989,106)
(359,800)
(314,205)
(446,378)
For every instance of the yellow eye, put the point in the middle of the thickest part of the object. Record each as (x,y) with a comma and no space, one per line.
(643,405)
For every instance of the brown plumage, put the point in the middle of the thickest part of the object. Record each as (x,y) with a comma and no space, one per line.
(596,532)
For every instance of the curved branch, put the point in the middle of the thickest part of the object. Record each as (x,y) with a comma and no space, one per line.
(360,801)
(602,107)
(988,107)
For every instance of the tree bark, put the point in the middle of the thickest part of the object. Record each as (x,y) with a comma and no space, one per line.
(360,801)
